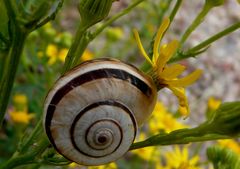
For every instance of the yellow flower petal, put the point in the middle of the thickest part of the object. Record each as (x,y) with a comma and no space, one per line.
(87,55)
(170,49)
(62,54)
(161,30)
(52,50)
(213,103)
(183,110)
(180,93)
(167,51)
(21,117)
(141,47)
(172,71)
(187,80)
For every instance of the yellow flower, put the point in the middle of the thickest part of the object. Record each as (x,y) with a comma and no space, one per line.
(52,53)
(163,120)
(73,165)
(40,54)
(62,54)
(166,76)
(20,99)
(20,102)
(112,165)
(232,144)
(87,55)
(179,159)
(213,103)
(21,117)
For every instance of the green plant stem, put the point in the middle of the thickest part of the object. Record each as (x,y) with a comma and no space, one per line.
(182,136)
(197,21)
(175,9)
(82,38)
(27,158)
(75,45)
(80,50)
(31,138)
(191,52)
(10,69)
(215,37)
(111,20)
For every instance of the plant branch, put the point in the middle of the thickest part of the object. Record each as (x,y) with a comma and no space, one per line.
(72,55)
(197,21)
(10,69)
(114,18)
(182,136)
(205,44)
(215,37)
(51,16)
(27,158)
(175,9)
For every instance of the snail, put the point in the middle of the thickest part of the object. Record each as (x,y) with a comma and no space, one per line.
(92,112)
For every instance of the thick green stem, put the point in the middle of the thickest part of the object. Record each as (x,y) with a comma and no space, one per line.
(10,69)
(197,21)
(72,55)
(182,136)
(80,50)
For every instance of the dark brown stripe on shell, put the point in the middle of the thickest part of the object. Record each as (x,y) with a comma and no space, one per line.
(99,74)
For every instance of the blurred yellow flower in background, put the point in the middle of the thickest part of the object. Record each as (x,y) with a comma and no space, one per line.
(213,103)
(62,54)
(112,165)
(21,117)
(231,144)
(20,99)
(73,165)
(20,112)
(163,120)
(87,55)
(55,54)
(179,159)
(167,76)
(20,102)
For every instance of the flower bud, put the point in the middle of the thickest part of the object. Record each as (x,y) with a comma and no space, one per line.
(94,11)
(223,157)
(225,120)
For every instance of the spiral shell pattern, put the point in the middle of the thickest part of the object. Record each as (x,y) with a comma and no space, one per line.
(92,112)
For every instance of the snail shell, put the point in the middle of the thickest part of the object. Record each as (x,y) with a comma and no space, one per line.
(92,112)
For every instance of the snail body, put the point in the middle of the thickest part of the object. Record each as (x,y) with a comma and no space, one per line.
(92,112)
